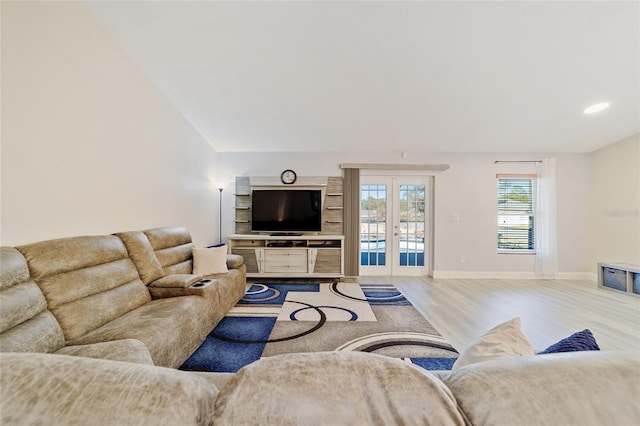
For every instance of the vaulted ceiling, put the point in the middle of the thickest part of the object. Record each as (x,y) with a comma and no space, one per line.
(425,76)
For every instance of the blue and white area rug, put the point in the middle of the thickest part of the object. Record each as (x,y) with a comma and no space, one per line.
(278,318)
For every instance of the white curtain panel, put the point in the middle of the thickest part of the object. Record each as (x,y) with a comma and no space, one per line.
(546,240)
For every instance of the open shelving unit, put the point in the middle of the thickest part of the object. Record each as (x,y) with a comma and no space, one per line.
(622,277)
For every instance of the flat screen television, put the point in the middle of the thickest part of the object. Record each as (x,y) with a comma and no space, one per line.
(286,211)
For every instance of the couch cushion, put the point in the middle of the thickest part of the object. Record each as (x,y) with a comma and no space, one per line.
(338,388)
(87,281)
(172,329)
(172,246)
(142,255)
(14,268)
(20,303)
(26,325)
(42,333)
(579,388)
(65,390)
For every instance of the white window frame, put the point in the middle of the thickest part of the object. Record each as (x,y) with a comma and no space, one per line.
(501,217)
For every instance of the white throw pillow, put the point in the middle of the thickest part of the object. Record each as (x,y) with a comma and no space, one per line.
(209,261)
(502,341)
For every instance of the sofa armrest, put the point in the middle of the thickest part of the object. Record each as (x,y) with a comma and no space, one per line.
(234,261)
(126,350)
(181,285)
(176,281)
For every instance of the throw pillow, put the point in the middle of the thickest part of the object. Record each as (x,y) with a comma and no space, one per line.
(210,260)
(502,341)
(579,341)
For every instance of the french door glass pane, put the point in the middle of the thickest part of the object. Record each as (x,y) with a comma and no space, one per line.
(373,213)
(411,228)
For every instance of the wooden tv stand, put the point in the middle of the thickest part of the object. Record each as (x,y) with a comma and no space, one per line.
(290,256)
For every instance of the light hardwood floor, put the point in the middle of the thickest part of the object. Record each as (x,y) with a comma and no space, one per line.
(463,309)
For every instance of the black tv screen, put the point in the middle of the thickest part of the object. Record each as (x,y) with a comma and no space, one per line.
(286,210)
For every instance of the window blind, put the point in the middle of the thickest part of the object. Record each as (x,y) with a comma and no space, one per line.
(516,216)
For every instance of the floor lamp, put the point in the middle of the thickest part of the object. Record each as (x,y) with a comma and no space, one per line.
(220,216)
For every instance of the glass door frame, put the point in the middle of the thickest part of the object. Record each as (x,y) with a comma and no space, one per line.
(397,178)
(378,270)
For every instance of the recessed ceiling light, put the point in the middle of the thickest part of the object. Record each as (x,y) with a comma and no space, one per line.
(596,107)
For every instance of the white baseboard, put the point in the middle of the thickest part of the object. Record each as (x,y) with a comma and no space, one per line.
(582,276)
(512,275)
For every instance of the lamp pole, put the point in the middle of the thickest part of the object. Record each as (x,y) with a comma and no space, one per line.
(220,216)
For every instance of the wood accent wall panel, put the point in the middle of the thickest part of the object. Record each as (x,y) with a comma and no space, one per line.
(351,222)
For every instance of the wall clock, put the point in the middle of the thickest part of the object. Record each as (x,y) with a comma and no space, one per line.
(288,177)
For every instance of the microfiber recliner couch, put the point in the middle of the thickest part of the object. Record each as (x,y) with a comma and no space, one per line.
(83,320)
(592,388)
(129,296)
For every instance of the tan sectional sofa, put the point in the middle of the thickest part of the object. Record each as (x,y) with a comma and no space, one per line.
(332,388)
(130,296)
(83,321)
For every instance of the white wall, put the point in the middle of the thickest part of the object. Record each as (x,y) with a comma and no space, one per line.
(89,145)
(614,223)
(467,189)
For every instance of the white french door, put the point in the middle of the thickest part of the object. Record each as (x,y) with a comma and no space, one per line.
(394,225)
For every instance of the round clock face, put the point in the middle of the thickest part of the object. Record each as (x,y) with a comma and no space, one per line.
(288,176)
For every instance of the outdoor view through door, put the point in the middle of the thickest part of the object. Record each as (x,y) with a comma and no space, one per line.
(393,213)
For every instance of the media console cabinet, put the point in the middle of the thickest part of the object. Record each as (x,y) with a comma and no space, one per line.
(305,256)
